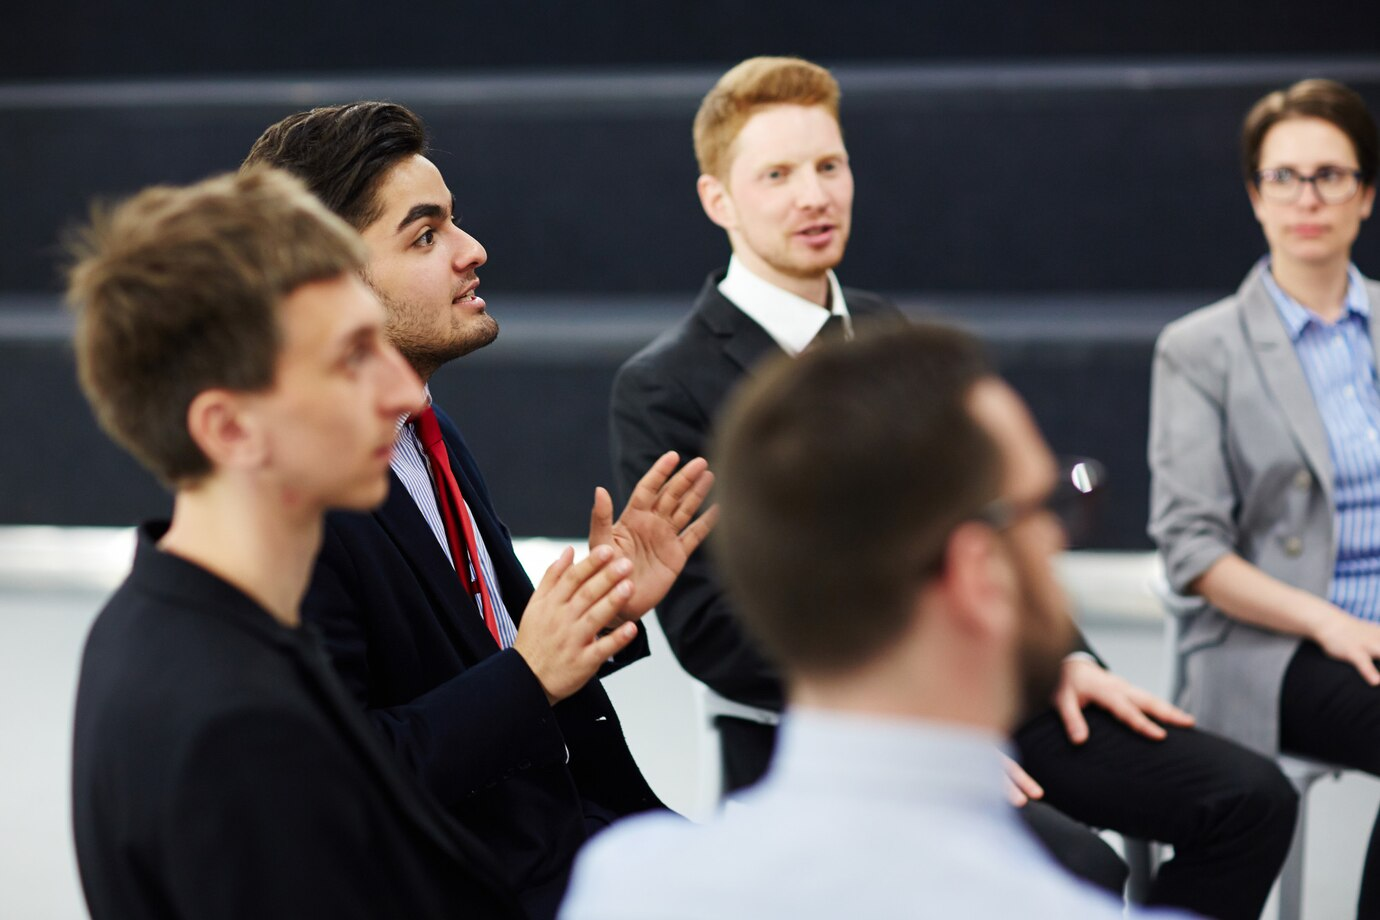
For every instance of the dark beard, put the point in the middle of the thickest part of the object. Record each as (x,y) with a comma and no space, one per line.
(1041,664)
(1046,639)
(427,358)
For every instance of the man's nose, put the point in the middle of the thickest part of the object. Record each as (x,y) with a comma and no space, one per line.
(809,190)
(469,252)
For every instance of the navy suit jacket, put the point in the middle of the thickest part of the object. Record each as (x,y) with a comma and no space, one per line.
(472,721)
(221,771)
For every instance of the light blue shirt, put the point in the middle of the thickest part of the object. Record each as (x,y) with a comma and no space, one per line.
(1338,361)
(859,817)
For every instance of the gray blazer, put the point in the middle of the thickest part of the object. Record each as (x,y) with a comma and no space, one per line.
(1239,462)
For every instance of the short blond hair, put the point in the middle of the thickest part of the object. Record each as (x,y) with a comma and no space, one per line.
(751,86)
(177,291)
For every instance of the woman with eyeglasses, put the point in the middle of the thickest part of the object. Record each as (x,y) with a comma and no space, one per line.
(1265,455)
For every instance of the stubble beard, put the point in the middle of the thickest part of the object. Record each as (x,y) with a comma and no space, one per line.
(1046,639)
(422,348)
(810,272)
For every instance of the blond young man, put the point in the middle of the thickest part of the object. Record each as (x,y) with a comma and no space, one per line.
(226,340)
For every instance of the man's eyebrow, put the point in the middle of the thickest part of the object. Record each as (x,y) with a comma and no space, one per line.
(420,211)
(353,338)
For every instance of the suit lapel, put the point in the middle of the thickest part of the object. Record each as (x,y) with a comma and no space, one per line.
(741,338)
(1283,375)
(402,520)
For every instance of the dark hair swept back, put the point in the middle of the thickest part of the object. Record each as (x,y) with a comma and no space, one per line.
(342,152)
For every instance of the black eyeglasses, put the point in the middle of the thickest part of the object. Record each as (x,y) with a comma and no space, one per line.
(1332,184)
(1073,500)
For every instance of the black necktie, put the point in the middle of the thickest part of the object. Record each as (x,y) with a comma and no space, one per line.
(833,330)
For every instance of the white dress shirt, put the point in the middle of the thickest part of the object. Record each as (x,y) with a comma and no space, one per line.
(858,817)
(791,320)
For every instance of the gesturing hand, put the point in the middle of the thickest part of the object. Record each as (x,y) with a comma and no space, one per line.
(1354,641)
(655,530)
(1020,785)
(1084,682)
(559,636)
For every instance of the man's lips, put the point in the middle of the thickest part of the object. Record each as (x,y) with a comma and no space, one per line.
(1308,231)
(817,234)
(469,298)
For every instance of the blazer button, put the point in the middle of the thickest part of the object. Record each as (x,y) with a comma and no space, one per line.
(1293,546)
(1302,480)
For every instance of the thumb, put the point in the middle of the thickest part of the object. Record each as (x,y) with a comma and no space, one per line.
(600,518)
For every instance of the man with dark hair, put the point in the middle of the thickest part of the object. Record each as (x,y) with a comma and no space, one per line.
(886,535)
(423,604)
(219,768)
(776,177)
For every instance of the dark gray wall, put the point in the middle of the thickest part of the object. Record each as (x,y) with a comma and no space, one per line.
(93,38)
(1064,208)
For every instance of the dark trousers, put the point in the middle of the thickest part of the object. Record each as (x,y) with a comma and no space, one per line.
(1327,711)
(1228,813)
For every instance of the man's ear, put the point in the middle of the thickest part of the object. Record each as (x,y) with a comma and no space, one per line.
(979,581)
(221,424)
(716,201)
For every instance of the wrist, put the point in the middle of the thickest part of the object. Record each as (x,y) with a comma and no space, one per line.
(1323,617)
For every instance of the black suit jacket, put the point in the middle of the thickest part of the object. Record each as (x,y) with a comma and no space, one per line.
(668,397)
(219,770)
(472,721)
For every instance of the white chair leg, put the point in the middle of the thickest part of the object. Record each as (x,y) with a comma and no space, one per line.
(1291,875)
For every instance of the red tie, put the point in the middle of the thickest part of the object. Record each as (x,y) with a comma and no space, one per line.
(459,527)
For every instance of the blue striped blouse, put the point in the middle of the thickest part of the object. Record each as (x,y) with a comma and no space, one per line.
(1339,363)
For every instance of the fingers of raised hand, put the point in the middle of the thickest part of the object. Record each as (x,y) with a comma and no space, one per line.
(649,487)
(600,517)
(684,492)
(695,534)
(602,596)
(690,502)
(555,570)
(606,646)
(578,574)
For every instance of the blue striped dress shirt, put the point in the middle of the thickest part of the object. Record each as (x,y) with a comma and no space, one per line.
(410,463)
(1339,364)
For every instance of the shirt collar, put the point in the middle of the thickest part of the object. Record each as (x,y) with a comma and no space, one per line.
(1297,317)
(903,758)
(407,416)
(791,320)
